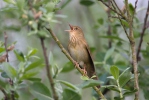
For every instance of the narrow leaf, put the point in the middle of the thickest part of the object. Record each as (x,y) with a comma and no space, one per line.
(90,83)
(86,2)
(129,92)
(109,53)
(40,88)
(115,72)
(125,77)
(32,52)
(34,65)
(19,55)
(111,87)
(40,96)
(67,67)
(69,94)
(10,71)
(68,84)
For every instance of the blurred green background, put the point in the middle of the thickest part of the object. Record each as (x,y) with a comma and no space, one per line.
(92,17)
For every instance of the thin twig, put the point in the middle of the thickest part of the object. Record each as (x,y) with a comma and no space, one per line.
(134,10)
(5,94)
(109,27)
(143,32)
(130,36)
(136,4)
(118,7)
(5,44)
(122,15)
(48,70)
(71,59)
(10,80)
(121,21)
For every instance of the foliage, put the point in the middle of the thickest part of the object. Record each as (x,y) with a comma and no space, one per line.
(26,75)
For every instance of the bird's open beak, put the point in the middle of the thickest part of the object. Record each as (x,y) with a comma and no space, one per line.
(71,28)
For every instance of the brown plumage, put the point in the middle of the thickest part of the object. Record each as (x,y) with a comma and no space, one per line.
(78,49)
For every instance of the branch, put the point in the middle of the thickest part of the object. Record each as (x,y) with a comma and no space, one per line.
(118,7)
(71,59)
(130,36)
(109,27)
(120,19)
(5,44)
(5,94)
(142,33)
(133,49)
(48,70)
(10,80)
(114,10)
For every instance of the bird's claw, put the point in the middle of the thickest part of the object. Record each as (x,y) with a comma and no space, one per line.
(76,64)
(84,72)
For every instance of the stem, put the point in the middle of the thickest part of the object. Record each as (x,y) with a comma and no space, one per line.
(71,59)
(109,27)
(7,57)
(48,70)
(121,95)
(114,10)
(143,32)
(133,49)
(5,44)
(5,94)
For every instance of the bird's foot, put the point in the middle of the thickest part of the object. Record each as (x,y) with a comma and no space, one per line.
(76,64)
(84,72)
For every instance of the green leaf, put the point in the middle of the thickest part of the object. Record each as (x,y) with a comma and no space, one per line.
(10,1)
(50,6)
(3,83)
(111,87)
(109,53)
(10,71)
(41,89)
(118,98)
(84,78)
(68,84)
(51,59)
(20,4)
(110,77)
(67,67)
(1,49)
(130,92)
(69,94)
(131,9)
(101,21)
(34,65)
(4,75)
(34,79)
(43,34)
(19,55)
(90,83)
(125,23)
(28,75)
(115,72)
(40,96)
(32,32)
(86,2)
(55,71)
(125,77)
(32,52)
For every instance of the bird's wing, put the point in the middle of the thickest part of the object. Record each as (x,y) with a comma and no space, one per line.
(91,67)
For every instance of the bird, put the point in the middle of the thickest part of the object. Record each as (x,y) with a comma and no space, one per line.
(79,51)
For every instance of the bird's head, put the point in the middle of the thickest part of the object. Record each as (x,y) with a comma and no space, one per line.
(75,30)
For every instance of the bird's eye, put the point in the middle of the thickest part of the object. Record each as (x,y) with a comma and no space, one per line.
(76,28)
